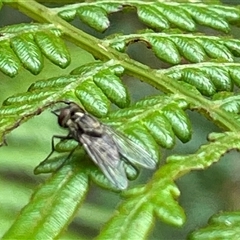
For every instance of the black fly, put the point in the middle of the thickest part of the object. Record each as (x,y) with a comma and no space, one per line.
(105,146)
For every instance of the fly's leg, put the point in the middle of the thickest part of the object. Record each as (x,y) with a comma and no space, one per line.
(69,156)
(63,161)
(53,145)
(44,162)
(62,138)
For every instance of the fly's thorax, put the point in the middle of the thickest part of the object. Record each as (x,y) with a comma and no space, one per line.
(90,125)
(74,129)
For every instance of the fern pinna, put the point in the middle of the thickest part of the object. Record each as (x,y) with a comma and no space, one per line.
(195,71)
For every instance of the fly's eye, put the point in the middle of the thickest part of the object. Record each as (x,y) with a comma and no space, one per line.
(71,113)
(64,116)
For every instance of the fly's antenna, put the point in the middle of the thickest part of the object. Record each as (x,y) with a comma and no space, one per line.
(56,112)
(67,102)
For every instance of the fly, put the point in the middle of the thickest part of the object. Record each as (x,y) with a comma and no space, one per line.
(105,146)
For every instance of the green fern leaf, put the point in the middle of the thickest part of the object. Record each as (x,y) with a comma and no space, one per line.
(224,225)
(217,50)
(175,15)
(68,14)
(28,53)
(161,129)
(96,17)
(141,219)
(161,116)
(220,77)
(204,16)
(27,43)
(140,129)
(180,123)
(229,13)
(109,83)
(152,17)
(9,63)
(198,79)
(62,202)
(170,47)
(190,49)
(53,48)
(208,78)
(159,195)
(155,198)
(91,13)
(233,46)
(209,88)
(53,164)
(228,101)
(156,15)
(94,86)
(164,49)
(65,146)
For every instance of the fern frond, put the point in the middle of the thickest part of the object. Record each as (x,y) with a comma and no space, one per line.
(149,122)
(95,78)
(209,77)
(60,204)
(95,85)
(46,36)
(159,196)
(160,115)
(206,87)
(95,14)
(229,102)
(25,44)
(160,107)
(156,15)
(224,225)
(171,47)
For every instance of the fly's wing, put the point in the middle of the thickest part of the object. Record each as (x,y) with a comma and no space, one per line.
(130,150)
(104,153)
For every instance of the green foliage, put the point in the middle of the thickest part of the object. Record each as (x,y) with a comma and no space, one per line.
(205,79)
(221,226)
(60,203)
(170,47)
(25,44)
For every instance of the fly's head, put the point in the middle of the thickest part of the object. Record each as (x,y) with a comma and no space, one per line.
(68,115)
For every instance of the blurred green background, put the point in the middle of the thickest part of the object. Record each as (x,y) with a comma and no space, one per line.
(203,193)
